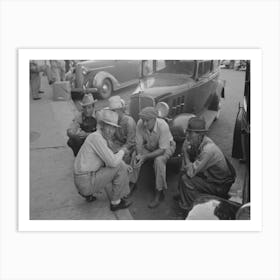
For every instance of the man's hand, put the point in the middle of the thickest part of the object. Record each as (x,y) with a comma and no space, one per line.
(129,168)
(125,149)
(139,160)
(82,134)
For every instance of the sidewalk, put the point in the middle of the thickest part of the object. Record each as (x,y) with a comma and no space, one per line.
(52,191)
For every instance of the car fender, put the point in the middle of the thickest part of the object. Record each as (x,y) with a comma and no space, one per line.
(101,76)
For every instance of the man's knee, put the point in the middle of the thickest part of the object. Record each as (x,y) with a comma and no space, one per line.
(160,162)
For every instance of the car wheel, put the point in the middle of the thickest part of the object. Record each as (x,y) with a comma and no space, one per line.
(106,89)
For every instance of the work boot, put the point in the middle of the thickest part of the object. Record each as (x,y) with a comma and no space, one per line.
(159,196)
(122,205)
(90,198)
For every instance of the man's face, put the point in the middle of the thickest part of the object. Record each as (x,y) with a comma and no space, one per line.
(148,123)
(193,138)
(108,131)
(88,110)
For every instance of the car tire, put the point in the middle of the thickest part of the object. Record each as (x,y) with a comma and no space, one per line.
(106,89)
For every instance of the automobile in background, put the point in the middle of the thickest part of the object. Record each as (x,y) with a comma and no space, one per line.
(103,77)
(238,65)
(180,89)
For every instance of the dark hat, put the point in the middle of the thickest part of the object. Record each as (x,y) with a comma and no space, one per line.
(197,124)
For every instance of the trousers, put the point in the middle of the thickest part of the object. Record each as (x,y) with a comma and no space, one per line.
(159,168)
(89,182)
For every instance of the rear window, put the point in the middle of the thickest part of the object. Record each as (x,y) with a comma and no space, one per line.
(185,67)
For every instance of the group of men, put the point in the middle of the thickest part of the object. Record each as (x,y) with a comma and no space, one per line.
(109,147)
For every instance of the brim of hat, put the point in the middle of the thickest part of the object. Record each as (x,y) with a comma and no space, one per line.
(116,108)
(110,123)
(197,130)
(147,117)
(85,104)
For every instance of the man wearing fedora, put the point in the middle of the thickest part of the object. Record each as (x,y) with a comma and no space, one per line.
(154,142)
(205,169)
(96,165)
(82,125)
(126,132)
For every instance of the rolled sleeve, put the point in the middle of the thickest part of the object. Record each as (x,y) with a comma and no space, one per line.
(139,136)
(165,138)
(131,134)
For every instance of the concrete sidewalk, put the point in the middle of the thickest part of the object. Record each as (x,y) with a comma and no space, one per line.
(52,191)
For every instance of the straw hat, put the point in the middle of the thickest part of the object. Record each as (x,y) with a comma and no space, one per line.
(87,100)
(115,102)
(109,117)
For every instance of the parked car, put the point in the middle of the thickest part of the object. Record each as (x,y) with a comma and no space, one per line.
(103,77)
(179,89)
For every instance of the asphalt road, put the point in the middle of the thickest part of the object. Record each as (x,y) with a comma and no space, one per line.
(221,132)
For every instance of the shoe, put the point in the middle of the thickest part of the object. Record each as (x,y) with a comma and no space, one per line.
(157,200)
(41,91)
(36,98)
(183,206)
(122,205)
(90,198)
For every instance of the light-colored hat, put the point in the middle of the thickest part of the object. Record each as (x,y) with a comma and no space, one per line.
(109,117)
(115,102)
(87,100)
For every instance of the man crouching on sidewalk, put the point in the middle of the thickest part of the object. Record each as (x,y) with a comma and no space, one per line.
(96,165)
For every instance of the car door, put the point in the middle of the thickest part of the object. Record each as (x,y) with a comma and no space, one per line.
(206,80)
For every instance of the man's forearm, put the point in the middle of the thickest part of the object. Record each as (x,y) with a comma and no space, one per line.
(155,154)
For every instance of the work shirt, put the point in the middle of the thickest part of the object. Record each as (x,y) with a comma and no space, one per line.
(125,134)
(210,161)
(95,154)
(159,138)
(82,123)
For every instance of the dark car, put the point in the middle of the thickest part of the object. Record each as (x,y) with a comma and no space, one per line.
(209,207)
(180,89)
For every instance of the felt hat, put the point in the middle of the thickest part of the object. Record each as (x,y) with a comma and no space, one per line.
(197,124)
(116,102)
(87,100)
(109,117)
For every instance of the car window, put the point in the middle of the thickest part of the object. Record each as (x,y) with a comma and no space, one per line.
(185,67)
(147,67)
(216,64)
(204,68)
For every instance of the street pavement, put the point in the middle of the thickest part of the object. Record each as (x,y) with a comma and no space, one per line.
(53,195)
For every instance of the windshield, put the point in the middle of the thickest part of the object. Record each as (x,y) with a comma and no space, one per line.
(185,67)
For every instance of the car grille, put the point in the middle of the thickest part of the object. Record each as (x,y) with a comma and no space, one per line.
(177,106)
(137,103)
